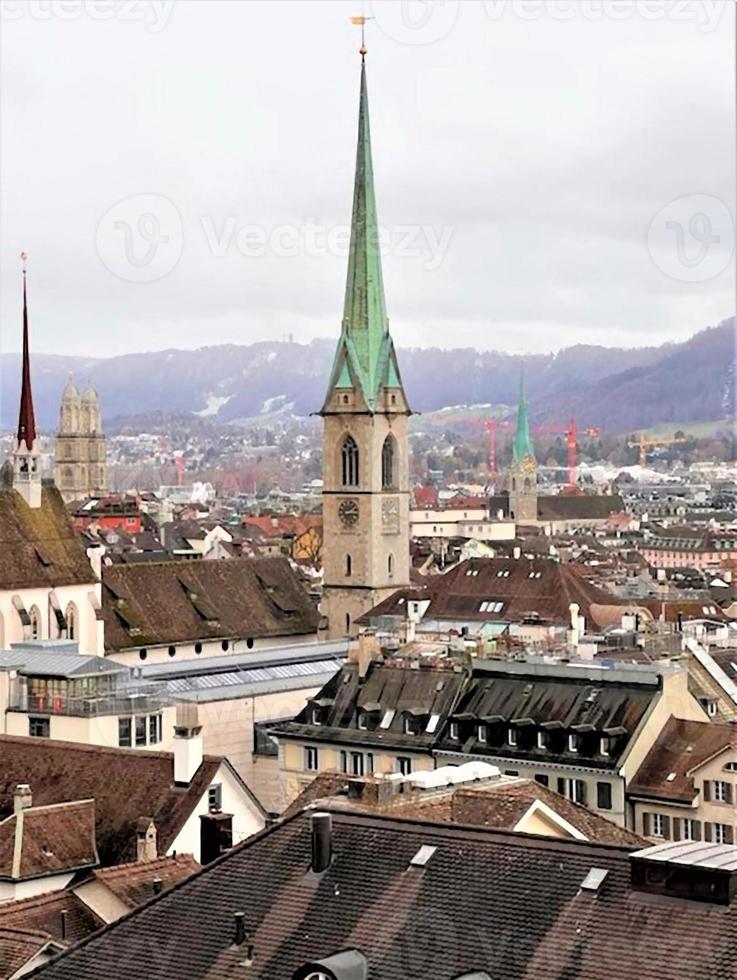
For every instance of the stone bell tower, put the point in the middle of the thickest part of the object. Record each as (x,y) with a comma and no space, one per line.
(365,441)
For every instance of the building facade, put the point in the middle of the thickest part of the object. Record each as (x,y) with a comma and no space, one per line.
(80,467)
(365,441)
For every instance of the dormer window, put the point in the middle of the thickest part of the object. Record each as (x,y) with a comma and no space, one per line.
(512,736)
(542,740)
(605,745)
(317,715)
(453,731)
(363,720)
(481,733)
(573,743)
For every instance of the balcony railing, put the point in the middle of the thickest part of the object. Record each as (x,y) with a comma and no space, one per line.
(89,706)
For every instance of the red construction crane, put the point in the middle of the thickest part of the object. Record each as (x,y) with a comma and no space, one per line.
(571,433)
(492,426)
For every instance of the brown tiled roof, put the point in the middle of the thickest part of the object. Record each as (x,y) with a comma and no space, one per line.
(524,586)
(42,914)
(681,747)
(580,507)
(178,601)
(17,947)
(124,783)
(508,905)
(132,882)
(52,838)
(38,545)
(499,805)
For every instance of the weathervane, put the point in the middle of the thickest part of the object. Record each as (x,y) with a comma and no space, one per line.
(361,22)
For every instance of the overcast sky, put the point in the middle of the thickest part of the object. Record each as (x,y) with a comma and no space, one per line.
(547,173)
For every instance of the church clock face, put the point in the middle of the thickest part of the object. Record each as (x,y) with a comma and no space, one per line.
(348,513)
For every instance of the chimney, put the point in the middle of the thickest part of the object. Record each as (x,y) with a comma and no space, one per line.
(158,885)
(22,798)
(321,825)
(188,751)
(365,651)
(516,553)
(146,840)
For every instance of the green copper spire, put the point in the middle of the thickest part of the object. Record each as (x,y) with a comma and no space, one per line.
(522,441)
(365,356)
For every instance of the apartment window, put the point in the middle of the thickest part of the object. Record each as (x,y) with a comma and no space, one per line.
(404,765)
(512,736)
(344,762)
(357,763)
(572,789)
(721,792)
(453,731)
(482,733)
(721,833)
(141,730)
(690,829)
(215,798)
(154,729)
(39,727)
(657,825)
(125,732)
(369,763)
(604,796)
(542,778)
(311,758)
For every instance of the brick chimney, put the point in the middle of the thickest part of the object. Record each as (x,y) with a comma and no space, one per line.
(146,840)
(188,751)
(22,797)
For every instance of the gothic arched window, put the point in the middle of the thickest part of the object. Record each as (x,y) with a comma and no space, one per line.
(348,565)
(349,459)
(387,462)
(72,622)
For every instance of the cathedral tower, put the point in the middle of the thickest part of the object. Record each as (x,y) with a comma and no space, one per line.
(523,469)
(365,442)
(80,460)
(26,456)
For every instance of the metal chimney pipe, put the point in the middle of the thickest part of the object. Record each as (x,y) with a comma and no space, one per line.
(63,916)
(158,885)
(321,825)
(239,937)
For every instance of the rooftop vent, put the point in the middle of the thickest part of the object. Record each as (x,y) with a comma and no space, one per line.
(321,825)
(351,964)
(687,869)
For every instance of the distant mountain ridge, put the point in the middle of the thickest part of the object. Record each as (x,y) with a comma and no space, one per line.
(617,389)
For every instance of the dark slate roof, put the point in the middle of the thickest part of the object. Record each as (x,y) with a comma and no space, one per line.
(124,783)
(50,839)
(181,601)
(557,700)
(487,902)
(566,507)
(389,694)
(38,545)
(680,749)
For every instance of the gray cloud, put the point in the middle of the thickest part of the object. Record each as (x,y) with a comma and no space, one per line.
(544,147)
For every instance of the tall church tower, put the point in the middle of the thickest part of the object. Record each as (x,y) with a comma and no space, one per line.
(523,469)
(80,467)
(26,455)
(365,442)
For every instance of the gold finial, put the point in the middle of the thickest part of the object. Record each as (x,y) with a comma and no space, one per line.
(24,259)
(361,22)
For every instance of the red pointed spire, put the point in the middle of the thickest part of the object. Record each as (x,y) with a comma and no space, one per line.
(26,416)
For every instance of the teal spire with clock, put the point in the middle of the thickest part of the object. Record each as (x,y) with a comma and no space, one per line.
(365,359)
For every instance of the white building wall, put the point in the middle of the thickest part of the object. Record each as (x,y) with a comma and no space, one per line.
(247,820)
(210,648)
(13,891)
(89,630)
